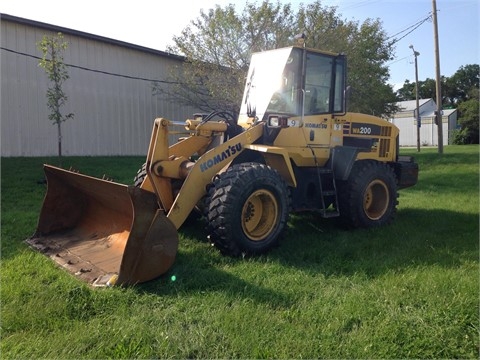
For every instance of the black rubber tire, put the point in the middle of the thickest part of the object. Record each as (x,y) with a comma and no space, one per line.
(141,175)
(248,210)
(369,197)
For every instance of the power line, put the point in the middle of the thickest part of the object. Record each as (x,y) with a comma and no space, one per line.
(94,70)
(411,28)
(393,62)
(359,4)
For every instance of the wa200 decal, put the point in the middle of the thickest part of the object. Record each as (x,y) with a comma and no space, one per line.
(365,129)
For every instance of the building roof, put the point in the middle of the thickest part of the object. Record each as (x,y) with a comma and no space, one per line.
(445,112)
(63,30)
(411,105)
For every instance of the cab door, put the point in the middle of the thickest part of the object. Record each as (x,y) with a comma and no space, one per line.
(323,96)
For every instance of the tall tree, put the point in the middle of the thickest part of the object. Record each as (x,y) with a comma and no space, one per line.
(218,45)
(406,92)
(426,90)
(460,87)
(469,122)
(464,86)
(462,83)
(52,48)
(367,50)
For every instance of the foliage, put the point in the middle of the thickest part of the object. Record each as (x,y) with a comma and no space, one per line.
(52,62)
(469,120)
(460,87)
(408,290)
(218,45)
(426,90)
(463,85)
(464,92)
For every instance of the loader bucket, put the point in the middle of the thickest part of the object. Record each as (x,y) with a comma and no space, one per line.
(104,232)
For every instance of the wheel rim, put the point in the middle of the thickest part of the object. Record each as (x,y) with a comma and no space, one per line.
(376,199)
(259,215)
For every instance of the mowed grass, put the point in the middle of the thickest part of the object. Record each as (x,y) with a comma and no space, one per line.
(408,290)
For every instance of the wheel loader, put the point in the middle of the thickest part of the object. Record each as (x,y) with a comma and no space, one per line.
(293,147)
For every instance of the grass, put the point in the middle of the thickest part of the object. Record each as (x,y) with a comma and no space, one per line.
(408,290)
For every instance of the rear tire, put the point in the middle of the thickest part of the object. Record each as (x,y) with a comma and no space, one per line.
(369,197)
(248,209)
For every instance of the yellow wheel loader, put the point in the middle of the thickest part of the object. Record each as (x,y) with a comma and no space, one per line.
(292,148)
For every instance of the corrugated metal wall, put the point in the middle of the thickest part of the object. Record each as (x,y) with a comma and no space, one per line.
(428,131)
(113,114)
(405,121)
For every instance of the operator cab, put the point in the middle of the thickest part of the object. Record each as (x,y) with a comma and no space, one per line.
(293,82)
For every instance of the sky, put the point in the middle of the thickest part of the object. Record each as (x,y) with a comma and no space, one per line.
(153,24)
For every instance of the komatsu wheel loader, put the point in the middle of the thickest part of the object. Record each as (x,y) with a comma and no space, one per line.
(293,148)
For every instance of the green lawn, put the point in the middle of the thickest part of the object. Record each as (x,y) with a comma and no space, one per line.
(408,290)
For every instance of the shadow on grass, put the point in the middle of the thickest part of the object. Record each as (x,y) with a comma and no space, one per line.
(209,280)
(319,246)
(200,272)
(416,238)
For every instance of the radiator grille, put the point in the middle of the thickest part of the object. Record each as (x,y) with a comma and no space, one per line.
(386,131)
(384,147)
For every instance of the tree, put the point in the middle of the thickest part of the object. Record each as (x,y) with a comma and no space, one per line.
(407,91)
(468,120)
(461,86)
(218,45)
(367,50)
(426,90)
(464,86)
(52,49)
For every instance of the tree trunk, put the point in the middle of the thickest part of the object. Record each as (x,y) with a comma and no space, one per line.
(59,141)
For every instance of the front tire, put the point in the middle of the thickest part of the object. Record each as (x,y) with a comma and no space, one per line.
(141,175)
(369,197)
(248,209)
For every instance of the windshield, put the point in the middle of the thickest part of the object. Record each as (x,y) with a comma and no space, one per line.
(273,83)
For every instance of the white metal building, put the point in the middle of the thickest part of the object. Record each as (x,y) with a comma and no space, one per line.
(109,92)
(406,121)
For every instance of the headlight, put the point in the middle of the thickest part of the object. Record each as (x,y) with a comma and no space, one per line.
(276,121)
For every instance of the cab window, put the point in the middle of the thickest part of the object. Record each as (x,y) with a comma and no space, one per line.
(318,82)
(321,73)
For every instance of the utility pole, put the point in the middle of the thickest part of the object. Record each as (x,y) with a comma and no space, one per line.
(438,115)
(417,111)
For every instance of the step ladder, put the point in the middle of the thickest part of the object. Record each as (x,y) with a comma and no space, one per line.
(326,174)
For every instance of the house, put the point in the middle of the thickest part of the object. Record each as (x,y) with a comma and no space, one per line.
(109,92)
(405,120)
